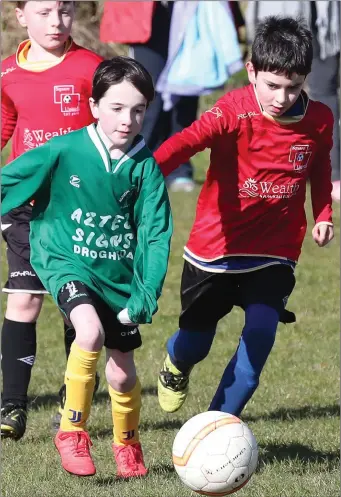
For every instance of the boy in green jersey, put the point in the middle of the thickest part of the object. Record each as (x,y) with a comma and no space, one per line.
(100,238)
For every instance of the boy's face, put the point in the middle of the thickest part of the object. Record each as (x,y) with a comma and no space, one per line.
(276,92)
(48,23)
(120,113)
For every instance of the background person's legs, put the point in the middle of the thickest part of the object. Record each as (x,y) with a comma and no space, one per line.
(323,85)
(18,336)
(183,114)
(159,125)
(153,56)
(155,123)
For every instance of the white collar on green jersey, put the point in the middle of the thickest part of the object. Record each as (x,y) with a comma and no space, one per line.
(103,144)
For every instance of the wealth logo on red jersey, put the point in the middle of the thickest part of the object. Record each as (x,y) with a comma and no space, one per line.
(253,188)
(299,155)
(65,96)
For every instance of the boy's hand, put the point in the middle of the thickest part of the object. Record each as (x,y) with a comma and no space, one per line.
(322,234)
(124,318)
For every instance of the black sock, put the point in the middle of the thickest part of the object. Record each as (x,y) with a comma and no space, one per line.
(18,348)
(69,336)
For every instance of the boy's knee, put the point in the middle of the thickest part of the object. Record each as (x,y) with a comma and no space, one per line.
(23,307)
(91,340)
(119,379)
(190,346)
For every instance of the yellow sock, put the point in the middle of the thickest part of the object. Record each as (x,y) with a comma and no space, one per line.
(80,382)
(126,414)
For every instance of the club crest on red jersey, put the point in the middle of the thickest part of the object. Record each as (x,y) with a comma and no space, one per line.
(299,155)
(65,96)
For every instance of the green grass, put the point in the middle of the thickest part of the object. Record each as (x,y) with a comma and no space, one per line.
(294,414)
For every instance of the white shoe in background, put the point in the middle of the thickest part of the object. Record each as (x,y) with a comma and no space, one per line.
(182,185)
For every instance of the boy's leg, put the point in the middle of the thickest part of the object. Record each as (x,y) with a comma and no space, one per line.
(72,441)
(125,393)
(69,337)
(205,300)
(264,295)
(241,377)
(18,336)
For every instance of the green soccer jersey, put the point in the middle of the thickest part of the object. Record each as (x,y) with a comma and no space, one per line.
(97,220)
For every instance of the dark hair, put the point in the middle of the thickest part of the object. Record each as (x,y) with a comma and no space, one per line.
(282,45)
(114,71)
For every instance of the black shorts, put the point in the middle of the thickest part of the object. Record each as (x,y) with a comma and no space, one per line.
(16,231)
(117,335)
(208,297)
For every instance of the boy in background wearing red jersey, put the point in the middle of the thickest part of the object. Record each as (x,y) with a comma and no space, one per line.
(45,90)
(267,140)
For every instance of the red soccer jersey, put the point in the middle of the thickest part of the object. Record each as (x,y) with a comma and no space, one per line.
(36,106)
(252,202)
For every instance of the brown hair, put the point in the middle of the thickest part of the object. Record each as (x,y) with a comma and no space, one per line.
(21,5)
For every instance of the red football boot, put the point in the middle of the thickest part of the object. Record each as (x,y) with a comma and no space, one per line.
(129,460)
(74,450)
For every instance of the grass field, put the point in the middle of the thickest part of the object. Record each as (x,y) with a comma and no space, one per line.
(294,413)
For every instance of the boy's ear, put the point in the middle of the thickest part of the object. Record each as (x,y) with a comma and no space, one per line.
(251,72)
(94,108)
(21,17)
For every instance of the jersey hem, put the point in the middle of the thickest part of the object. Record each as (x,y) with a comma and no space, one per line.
(236,255)
(230,271)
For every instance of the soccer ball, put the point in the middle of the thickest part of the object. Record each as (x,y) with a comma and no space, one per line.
(215,453)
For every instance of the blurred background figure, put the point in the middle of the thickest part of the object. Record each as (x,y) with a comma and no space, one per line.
(323,17)
(165,37)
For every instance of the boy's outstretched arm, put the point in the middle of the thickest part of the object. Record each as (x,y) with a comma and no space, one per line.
(200,135)
(321,186)
(154,223)
(22,178)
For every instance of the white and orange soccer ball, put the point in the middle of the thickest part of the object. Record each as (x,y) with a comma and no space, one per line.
(215,453)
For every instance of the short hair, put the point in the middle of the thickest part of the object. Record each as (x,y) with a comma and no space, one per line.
(21,5)
(114,71)
(282,45)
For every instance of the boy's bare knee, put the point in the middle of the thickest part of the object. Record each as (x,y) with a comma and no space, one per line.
(120,379)
(121,382)
(91,339)
(23,307)
(89,329)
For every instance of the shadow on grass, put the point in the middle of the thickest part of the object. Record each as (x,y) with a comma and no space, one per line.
(144,426)
(296,414)
(52,400)
(102,397)
(157,470)
(302,454)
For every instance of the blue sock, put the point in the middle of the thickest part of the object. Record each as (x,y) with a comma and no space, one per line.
(187,348)
(241,376)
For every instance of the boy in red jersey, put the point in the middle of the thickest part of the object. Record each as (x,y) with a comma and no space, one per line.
(45,88)
(267,140)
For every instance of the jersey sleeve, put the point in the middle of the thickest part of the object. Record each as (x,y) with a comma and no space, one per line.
(8,118)
(200,135)
(23,178)
(320,175)
(154,230)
